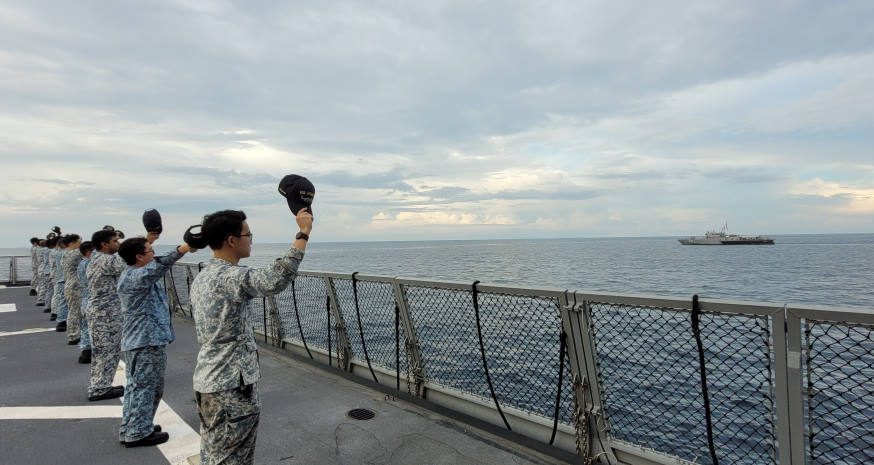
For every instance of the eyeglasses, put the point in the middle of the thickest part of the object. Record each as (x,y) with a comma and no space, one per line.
(249,235)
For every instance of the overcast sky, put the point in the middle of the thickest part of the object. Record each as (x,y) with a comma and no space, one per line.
(439,119)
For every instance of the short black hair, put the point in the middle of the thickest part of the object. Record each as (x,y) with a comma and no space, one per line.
(52,242)
(130,248)
(86,247)
(100,237)
(221,224)
(69,239)
(34,240)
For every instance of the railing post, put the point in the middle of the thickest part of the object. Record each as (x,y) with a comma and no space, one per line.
(344,350)
(13,272)
(781,387)
(796,398)
(278,328)
(593,430)
(189,278)
(415,362)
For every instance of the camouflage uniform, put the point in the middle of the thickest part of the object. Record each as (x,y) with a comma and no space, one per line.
(48,286)
(34,264)
(72,293)
(147,331)
(104,319)
(227,371)
(84,341)
(59,303)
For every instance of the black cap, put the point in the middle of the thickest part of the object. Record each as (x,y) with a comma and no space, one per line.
(57,230)
(298,191)
(195,240)
(152,221)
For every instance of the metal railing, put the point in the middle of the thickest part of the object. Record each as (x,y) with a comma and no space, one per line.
(612,378)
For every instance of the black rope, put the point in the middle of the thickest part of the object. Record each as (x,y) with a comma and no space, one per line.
(696,331)
(297,315)
(360,328)
(398,345)
(561,351)
(328,308)
(483,352)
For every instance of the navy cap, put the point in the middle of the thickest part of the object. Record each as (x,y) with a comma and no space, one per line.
(152,221)
(298,191)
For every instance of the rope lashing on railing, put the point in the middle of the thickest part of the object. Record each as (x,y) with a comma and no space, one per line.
(328,309)
(360,327)
(561,351)
(696,331)
(297,316)
(482,350)
(398,346)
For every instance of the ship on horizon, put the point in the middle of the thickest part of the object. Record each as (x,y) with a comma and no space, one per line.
(722,237)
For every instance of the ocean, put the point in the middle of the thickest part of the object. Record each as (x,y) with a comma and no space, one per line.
(817,269)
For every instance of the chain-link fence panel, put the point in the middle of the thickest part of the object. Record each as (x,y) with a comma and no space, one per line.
(521,341)
(23,269)
(181,282)
(649,377)
(839,391)
(5,270)
(305,302)
(257,313)
(376,305)
(739,361)
(650,381)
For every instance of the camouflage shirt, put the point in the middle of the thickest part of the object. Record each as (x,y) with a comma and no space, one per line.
(228,356)
(144,305)
(58,271)
(34,258)
(103,302)
(47,261)
(69,264)
(43,259)
(83,280)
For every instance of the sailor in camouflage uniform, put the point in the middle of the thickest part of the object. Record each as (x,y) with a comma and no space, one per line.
(227,370)
(147,331)
(72,288)
(104,315)
(59,303)
(34,264)
(85,249)
(48,286)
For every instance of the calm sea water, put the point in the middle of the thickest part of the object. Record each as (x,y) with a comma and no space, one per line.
(802,269)
(833,269)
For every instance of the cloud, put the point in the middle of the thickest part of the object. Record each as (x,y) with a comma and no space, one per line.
(457,116)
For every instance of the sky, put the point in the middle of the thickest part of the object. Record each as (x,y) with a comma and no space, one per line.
(440,119)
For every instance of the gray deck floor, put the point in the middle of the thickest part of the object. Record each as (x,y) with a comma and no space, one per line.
(303,419)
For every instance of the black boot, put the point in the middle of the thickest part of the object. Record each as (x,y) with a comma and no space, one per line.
(73,342)
(33,292)
(40,304)
(85,356)
(151,440)
(48,310)
(61,327)
(53,317)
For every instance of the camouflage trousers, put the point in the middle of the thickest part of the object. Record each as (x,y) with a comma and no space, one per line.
(73,298)
(105,354)
(85,339)
(59,303)
(144,368)
(228,425)
(47,291)
(40,288)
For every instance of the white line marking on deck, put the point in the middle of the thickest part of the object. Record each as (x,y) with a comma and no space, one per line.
(184,441)
(7,308)
(60,413)
(26,331)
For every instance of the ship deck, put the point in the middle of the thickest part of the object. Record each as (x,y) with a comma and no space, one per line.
(45,417)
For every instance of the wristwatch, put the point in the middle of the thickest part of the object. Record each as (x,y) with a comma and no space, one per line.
(303,236)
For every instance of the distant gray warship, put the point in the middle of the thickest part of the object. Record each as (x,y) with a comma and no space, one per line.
(723,238)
